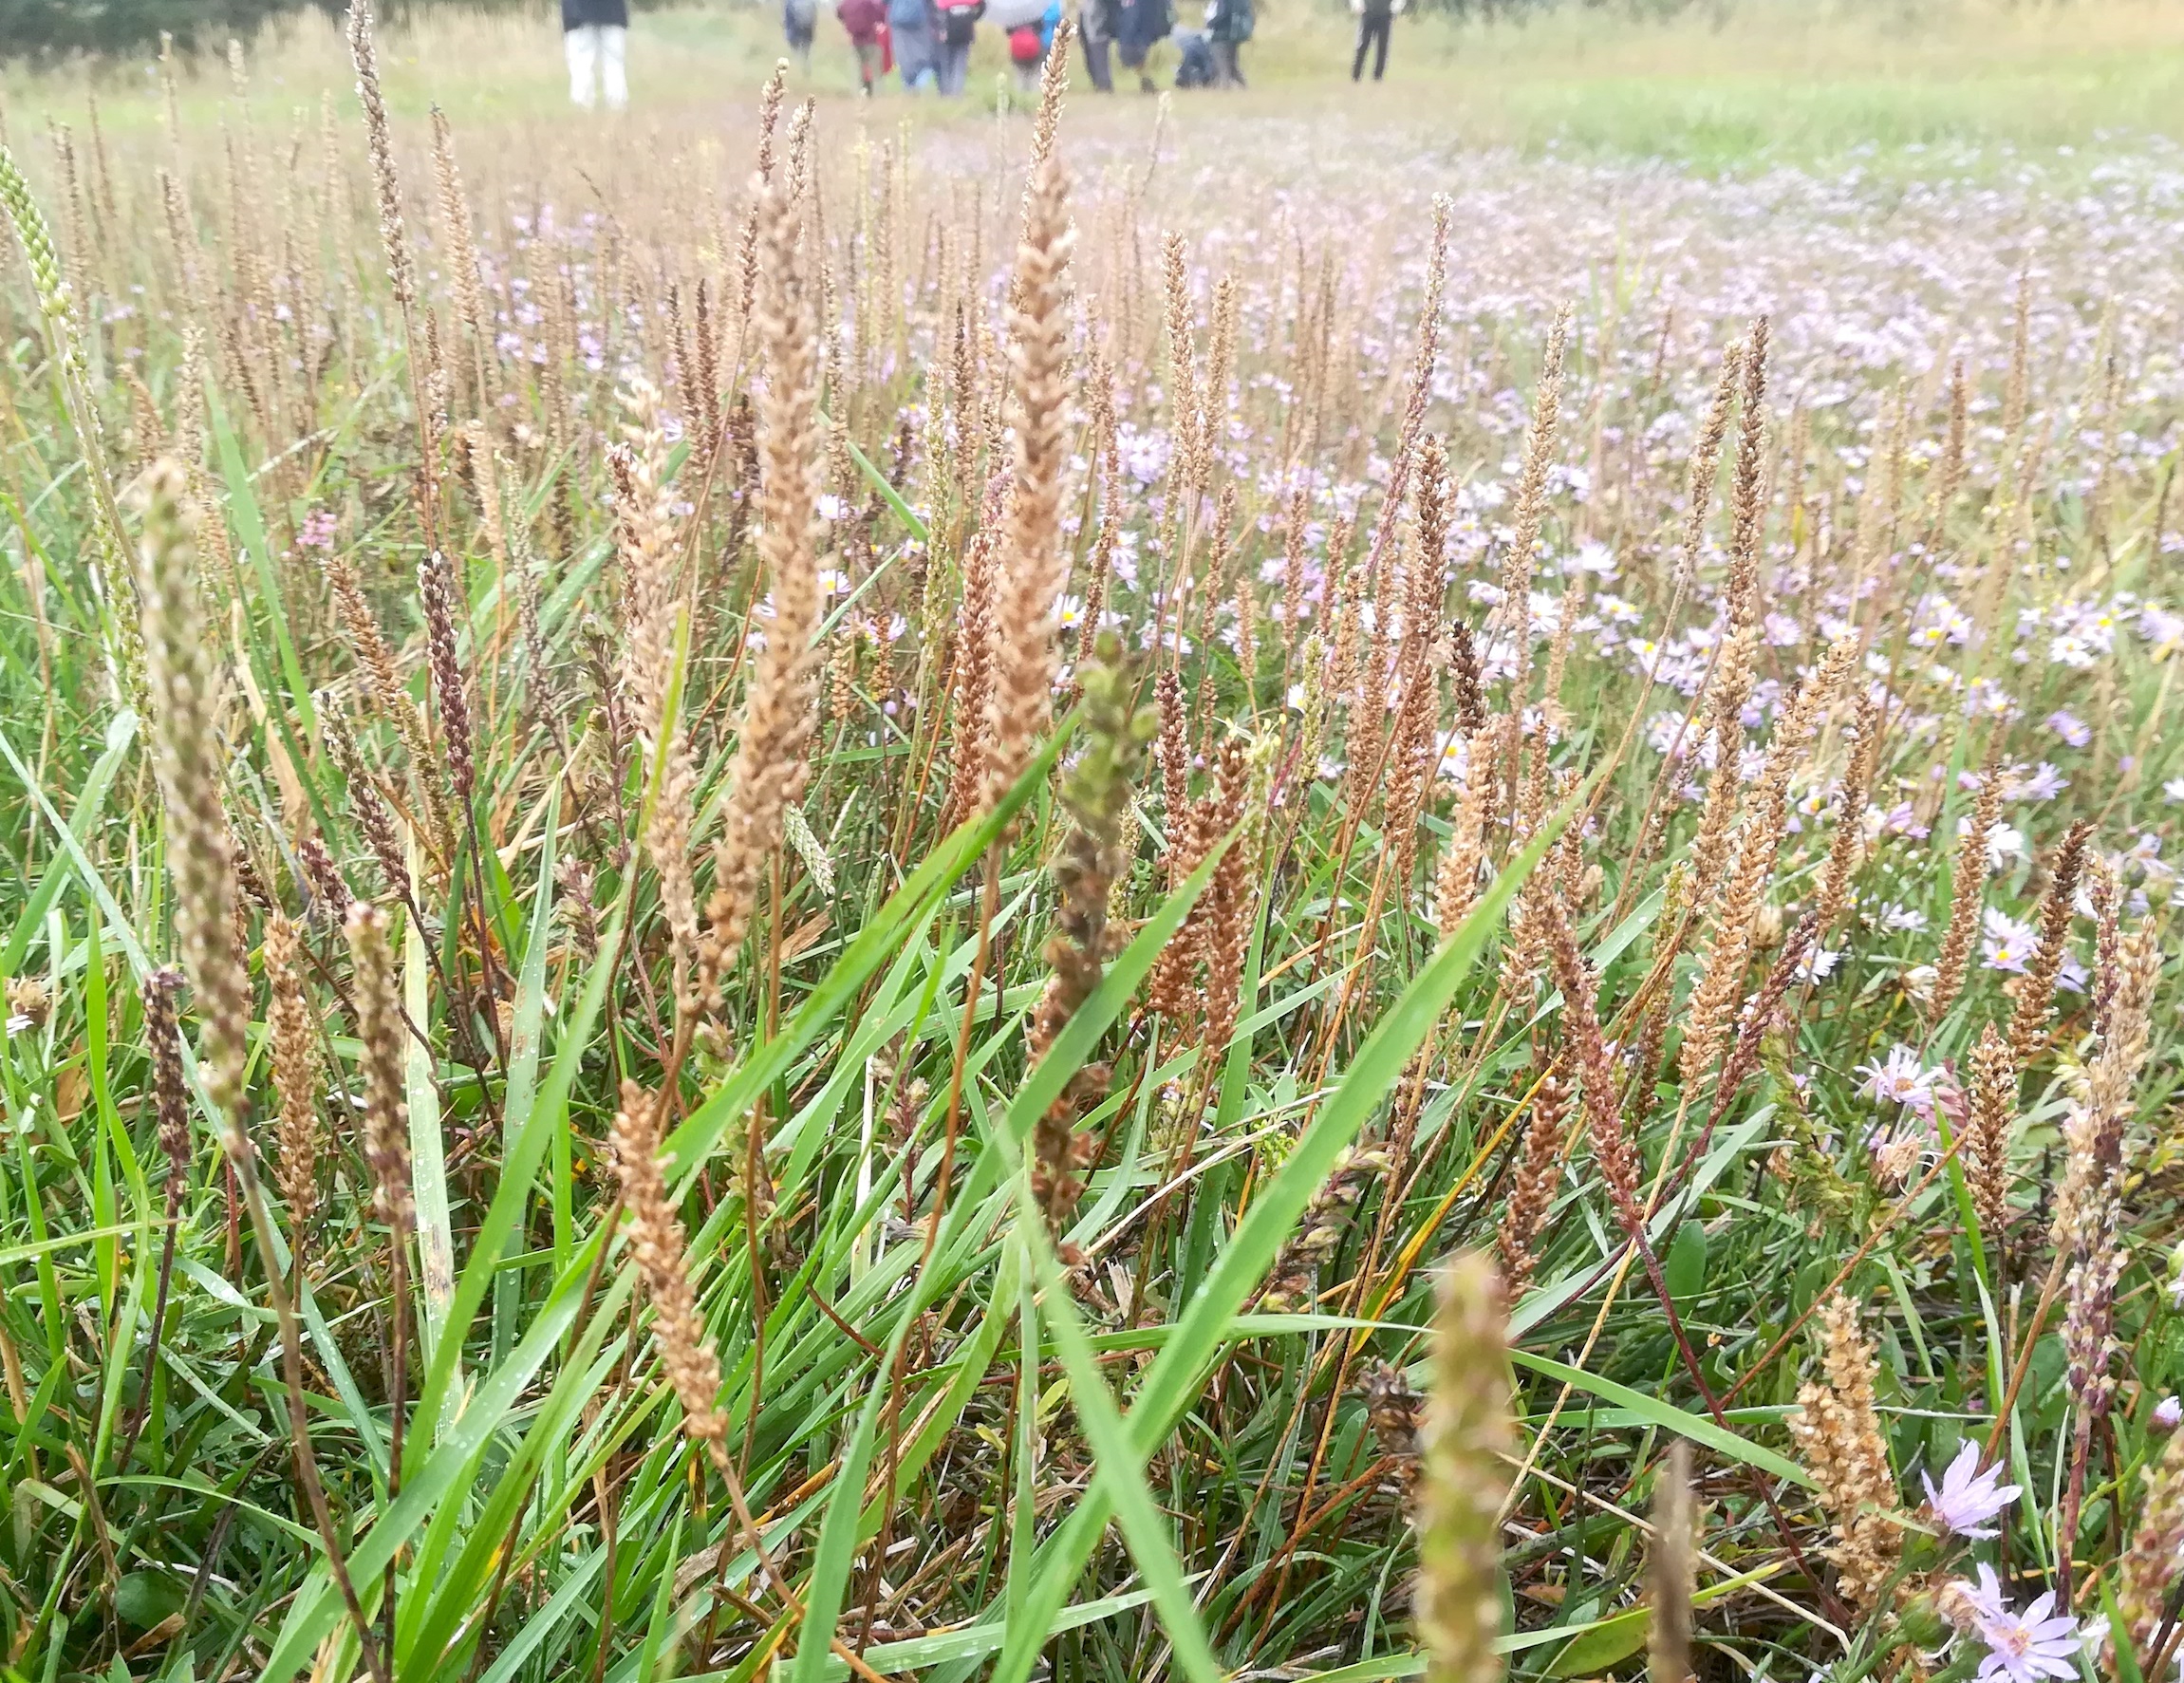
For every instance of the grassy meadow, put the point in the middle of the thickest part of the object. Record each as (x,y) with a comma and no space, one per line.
(1298,884)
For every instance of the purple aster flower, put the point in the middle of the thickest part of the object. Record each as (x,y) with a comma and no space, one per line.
(2021,1647)
(2073,730)
(1898,1079)
(2169,1413)
(1967,1497)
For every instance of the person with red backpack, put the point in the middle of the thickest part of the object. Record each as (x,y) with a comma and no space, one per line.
(866,22)
(959,28)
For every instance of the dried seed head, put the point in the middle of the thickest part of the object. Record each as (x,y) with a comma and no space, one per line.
(170,1100)
(1987,1132)
(1320,1230)
(1033,564)
(295,1059)
(379,1031)
(2157,1551)
(1967,884)
(436,585)
(1838,1428)
(2036,993)
(658,1247)
(1532,1188)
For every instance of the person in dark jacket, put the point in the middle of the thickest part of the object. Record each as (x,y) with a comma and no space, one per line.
(959,28)
(865,20)
(1375,21)
(1140,26)
(595,34)
(1095,28)
(1228,24)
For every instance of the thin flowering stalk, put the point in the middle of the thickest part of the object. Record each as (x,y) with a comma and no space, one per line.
(648,549)
(170,1102)
(183,677)
(1513,615)
(1094,854)
(1461,1480)
(180,677)
(2088,1214)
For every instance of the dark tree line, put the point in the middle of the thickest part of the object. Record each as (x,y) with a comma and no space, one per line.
(46,29)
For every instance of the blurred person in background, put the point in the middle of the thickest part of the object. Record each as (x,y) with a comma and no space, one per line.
(595,36)
(1375,21)
(799,23)
(913,31)
(1139,27)
(1228,24)
(867,23)
(1095,24)
(959,28)
(1029,44)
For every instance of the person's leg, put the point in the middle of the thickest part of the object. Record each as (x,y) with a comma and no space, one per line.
(1363,39)
(1385,29)
(613,64)
(581,45)
(1097,63)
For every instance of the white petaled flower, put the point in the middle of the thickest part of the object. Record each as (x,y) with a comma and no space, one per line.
(1967,1497)
(2169,1413)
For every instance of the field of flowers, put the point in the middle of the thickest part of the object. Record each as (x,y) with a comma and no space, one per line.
(1119,892)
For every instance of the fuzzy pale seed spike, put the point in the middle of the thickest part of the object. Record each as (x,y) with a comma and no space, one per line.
(1034,563)
(1514,612)
(770,768)
(1673,1569)
(1706,464)
(386,183)
(455,231)
(1462,1481)
(184,676)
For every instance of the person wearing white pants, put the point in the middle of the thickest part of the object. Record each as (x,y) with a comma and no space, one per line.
(596,36)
